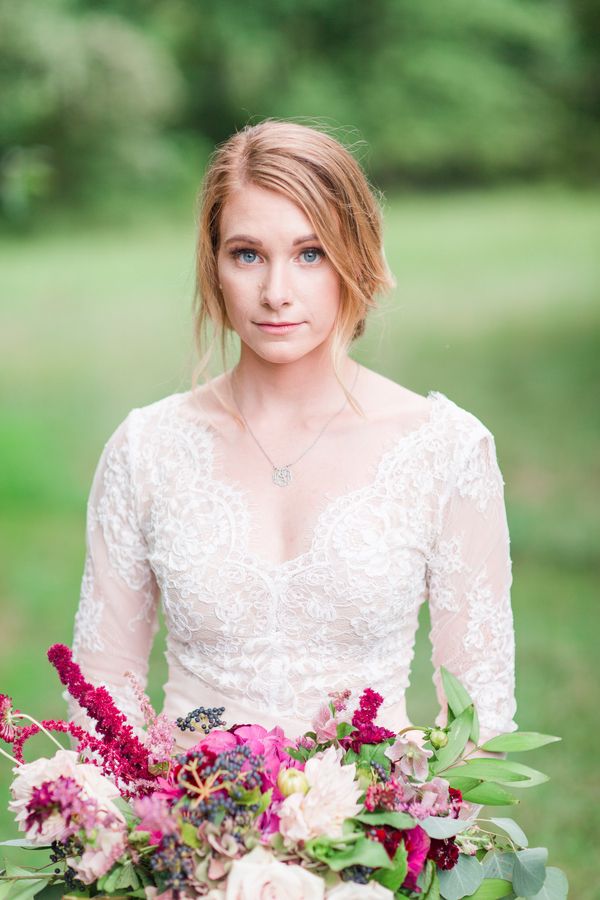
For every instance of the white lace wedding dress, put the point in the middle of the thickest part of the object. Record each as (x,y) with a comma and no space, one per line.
(268,640)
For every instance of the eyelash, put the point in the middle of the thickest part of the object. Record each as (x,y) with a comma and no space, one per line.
(235,254)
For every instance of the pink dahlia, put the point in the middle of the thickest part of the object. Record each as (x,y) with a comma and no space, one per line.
(417,844)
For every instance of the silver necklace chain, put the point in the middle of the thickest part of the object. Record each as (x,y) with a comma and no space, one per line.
(282,475)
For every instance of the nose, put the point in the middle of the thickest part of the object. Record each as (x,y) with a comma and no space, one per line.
(275,290)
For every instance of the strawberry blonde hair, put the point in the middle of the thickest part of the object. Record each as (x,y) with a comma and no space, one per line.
(317,173)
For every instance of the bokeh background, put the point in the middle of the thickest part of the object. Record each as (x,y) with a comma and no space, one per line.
(480,124)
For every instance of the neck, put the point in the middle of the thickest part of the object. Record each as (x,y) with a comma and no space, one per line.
(302,389)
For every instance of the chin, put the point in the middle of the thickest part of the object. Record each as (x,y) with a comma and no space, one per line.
(282,353)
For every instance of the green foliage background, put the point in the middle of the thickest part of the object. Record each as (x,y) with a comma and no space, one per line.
(481,125)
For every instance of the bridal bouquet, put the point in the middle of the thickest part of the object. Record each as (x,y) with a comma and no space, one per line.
(350,810)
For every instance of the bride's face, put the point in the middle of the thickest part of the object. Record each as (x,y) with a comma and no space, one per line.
(281,292)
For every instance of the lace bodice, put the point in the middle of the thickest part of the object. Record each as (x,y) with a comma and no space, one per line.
(268,640)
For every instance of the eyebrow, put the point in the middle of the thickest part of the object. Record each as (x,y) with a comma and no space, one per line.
(250,240)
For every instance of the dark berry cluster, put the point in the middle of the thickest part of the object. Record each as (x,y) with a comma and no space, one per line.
(444,853)
(202,719)
(359,874)
(59,853)
(380,771)
(176,860)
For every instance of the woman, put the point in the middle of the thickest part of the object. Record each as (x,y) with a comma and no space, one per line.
(295,512)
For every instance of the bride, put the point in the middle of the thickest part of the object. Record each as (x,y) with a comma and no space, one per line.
(294,513)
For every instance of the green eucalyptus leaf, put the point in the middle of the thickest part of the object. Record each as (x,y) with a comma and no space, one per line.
(498,865)
(463,880)
(442,827)
(398,820)
(492,889)
(514,831)
(529,872)
(555,887)
(518,741)
(458,735)
(490,795)
(429,882)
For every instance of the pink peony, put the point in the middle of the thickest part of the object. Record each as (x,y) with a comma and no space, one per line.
(216,741)
(332,797)
(417,845)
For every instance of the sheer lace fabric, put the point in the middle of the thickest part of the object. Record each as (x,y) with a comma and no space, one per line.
(268,640)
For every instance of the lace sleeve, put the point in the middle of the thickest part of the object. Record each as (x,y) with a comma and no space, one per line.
(469,580)
(116,619)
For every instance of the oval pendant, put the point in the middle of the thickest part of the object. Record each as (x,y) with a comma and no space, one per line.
(281,476)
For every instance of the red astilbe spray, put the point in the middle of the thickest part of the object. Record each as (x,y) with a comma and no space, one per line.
(129,756)
(363,720)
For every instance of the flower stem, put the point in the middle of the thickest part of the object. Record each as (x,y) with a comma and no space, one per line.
(411,728)
(8,756)
(41,727)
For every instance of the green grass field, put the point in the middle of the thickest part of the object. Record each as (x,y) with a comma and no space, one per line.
(496,307)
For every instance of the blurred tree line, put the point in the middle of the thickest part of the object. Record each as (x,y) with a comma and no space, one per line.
(109,96)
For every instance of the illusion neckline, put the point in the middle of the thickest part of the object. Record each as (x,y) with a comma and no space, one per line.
(241,494)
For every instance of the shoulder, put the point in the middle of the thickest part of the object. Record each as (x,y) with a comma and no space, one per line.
(383,398)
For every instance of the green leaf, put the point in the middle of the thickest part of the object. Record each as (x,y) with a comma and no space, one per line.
(529,872)
(344,729)
(295,754)
(462,880)
(458,735)
(21,890)
(499,770)
(393,878)
(264,801)
(428,882)
(498,865)
(519,742)
(490,795)
(360,853)
(492,889)
(25,844)
(555,887)
(514,831)
(463,784)
(458,699)
(189,835)
(443,827)
(398,820)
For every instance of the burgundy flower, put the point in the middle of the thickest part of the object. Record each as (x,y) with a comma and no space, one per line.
(129,754)
(363,720)
(388,836)
(444,853)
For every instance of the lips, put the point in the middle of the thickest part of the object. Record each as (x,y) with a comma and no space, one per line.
(278,327)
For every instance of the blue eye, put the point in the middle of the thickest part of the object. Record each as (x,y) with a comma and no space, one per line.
(316,254)
(243,255)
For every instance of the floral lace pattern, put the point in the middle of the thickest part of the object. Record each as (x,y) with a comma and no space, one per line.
(277,637)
